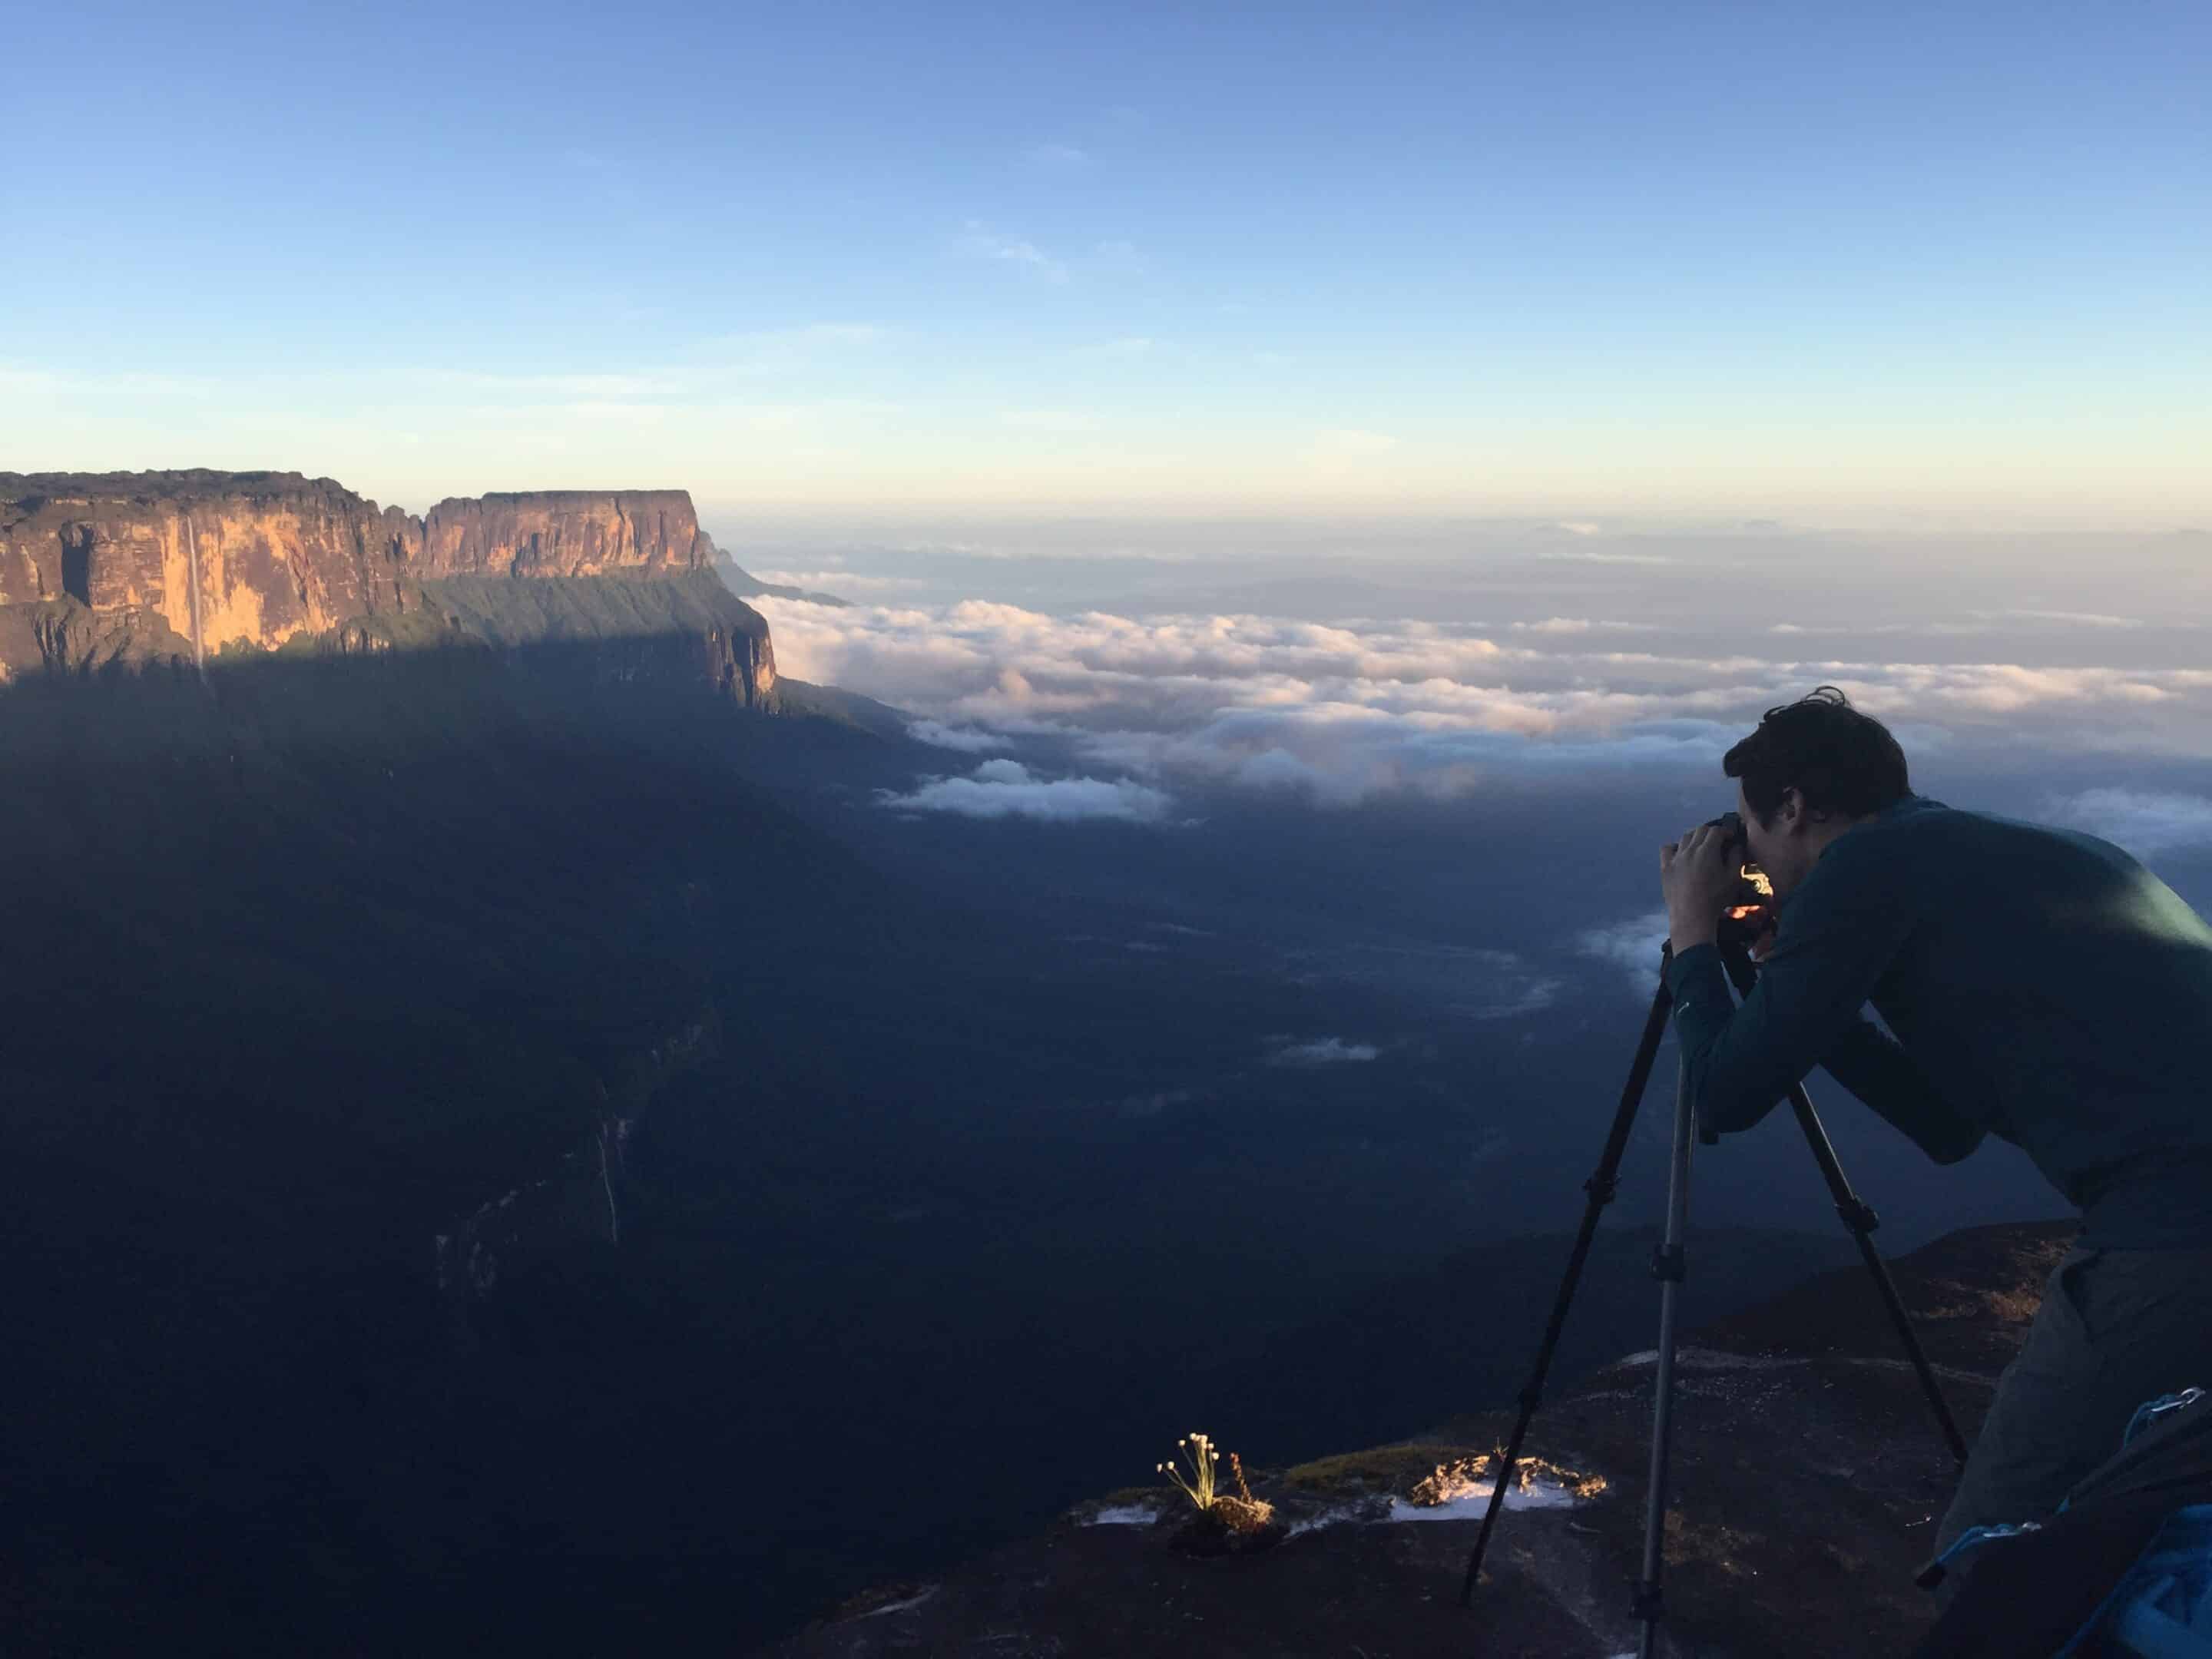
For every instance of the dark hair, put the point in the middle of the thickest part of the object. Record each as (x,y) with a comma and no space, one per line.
(1839,760)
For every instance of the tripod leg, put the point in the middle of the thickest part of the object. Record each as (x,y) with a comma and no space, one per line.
(1668,1268)
(1601,1186)
(1859,1218)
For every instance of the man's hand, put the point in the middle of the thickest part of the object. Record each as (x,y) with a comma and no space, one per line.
(1697,874)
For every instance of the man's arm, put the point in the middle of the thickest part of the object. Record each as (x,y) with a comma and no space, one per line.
(1838,934)
(1875,1066)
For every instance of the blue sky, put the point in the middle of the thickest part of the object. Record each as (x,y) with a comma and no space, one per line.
(1814,260)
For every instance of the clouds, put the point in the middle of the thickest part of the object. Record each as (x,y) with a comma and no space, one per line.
(1342,712)
(1580,625)
(977,241)
(1343,754)
(1590,556)
(1007,789)
(2011,689)
(1631,945)
(1320,1051)
(2080,618)
(2145,822)
(1534,997)
(966,740)
(851,581)
(994,660)
(1985,623)
(1331,713)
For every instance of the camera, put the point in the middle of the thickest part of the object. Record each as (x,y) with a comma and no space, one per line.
(1748,914)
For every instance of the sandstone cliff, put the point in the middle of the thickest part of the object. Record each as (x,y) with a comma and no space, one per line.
(565,533)
(219,557)
(152,567)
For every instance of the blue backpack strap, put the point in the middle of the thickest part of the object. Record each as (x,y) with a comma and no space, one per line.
(2151,1411)
(2146,1414)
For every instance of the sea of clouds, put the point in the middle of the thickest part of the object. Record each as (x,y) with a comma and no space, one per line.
(1150,707)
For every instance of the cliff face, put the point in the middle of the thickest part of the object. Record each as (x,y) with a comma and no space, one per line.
(565,533)
(162,566)
(219,557)
(684,630)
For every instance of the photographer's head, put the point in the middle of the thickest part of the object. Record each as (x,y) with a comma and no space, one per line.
(1813,769)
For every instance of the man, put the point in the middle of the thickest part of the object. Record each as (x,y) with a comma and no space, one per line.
(2042,987)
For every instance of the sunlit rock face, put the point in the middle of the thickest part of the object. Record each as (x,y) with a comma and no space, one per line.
(565,533)
(255,557)
(134,568)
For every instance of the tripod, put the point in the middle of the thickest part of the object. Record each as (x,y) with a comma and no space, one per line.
(1668,1268)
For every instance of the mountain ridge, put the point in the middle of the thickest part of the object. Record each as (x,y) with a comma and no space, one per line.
(99,570)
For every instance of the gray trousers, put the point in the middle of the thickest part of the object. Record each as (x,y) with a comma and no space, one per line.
(2116,1327)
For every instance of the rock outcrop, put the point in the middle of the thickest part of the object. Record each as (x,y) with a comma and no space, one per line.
(1808,1476)
(99,569)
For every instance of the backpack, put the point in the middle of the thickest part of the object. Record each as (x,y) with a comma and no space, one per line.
(2123,1570)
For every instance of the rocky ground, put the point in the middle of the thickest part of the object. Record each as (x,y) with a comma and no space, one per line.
(1808,1478)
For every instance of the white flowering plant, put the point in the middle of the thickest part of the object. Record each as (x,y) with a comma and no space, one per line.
(1198,1450)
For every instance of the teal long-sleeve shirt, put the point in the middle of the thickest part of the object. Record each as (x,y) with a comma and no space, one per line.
(2041,985)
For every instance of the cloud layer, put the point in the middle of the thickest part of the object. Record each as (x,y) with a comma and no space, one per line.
(2145,822)
(1632,946)
(1339,713)
(1007,789)
(1320,1051)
